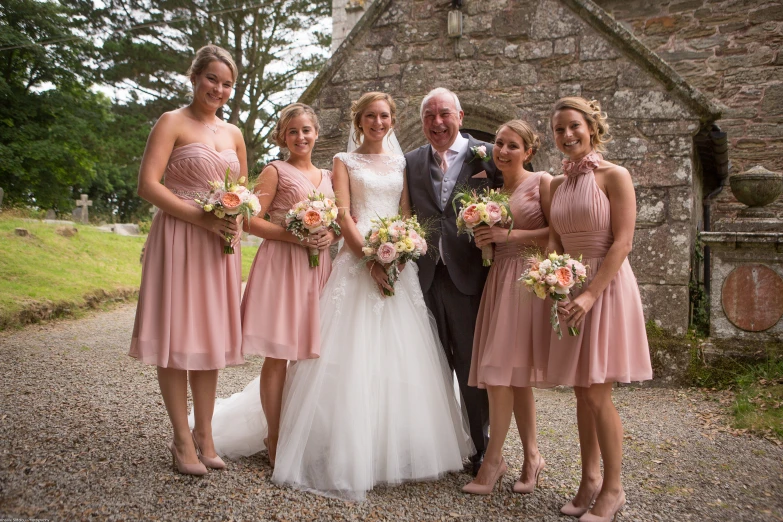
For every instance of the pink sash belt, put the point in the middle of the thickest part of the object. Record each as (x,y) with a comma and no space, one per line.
(590,245)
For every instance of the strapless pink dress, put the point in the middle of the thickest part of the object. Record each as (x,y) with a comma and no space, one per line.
(612,343)
(188,312)
(511,342)
(280,314)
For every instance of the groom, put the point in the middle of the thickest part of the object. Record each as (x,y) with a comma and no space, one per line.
(452,280)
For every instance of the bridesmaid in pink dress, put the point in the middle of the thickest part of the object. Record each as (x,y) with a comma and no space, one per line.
(280,314)
(187,319)
(593,214)
(511,343)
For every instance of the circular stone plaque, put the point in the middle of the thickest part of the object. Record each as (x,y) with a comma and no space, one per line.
(752,297)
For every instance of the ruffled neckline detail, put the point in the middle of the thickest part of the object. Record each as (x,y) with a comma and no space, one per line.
(584,165)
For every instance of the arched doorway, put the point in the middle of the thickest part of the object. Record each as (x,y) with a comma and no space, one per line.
(480,135)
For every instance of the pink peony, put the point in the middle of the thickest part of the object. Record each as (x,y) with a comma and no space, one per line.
(494,211)
(551,279)
(386,253)
(471,215)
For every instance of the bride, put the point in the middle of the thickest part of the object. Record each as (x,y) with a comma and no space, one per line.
(378,406)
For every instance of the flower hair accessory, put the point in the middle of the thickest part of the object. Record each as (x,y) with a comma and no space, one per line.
(479,152)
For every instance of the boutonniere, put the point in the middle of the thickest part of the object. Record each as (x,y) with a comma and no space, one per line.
(479,152)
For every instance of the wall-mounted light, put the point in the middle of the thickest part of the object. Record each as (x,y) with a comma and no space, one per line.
(455,24)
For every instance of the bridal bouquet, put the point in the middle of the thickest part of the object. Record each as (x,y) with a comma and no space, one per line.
(489,208)
(555,276)
(392,241)
(311,215)
(228,198)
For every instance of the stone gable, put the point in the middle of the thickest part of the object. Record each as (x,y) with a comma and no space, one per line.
(729,50)
(515,58)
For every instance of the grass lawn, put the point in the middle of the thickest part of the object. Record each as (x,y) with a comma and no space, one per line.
(758,405)
(46,266)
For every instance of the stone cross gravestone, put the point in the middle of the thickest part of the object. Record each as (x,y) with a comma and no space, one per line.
(84,203)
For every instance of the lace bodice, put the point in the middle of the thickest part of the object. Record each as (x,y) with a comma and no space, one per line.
(376,185)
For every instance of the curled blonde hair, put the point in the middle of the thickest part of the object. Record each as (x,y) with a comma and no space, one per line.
(596,120)
(525,131)
(208,54)
(288,113)
(358,107)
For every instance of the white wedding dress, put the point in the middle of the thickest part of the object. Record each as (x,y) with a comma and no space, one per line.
(378,406)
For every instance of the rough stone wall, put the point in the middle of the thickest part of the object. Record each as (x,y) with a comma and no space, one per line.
(516,57)
(731,51)
(345,14)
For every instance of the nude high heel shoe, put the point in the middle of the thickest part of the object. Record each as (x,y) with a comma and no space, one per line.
(185,469)
(211,462)
(618,506)
(572,511)
(482,489)
(528,487)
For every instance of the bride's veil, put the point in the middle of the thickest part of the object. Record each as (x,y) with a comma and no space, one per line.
(390,142)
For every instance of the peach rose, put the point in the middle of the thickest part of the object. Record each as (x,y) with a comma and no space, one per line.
(471,215)
(230,201)
(312,220)
(565,278)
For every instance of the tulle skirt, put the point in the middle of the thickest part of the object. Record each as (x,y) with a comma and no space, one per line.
(379,405)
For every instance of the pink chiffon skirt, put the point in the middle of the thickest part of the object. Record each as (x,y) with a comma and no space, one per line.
(511,341)
(280,313)
(188,315)
(612,341)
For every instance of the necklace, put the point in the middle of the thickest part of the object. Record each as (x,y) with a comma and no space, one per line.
(213,129)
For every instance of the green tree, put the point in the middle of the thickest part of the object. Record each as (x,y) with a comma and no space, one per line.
(113,190)
(47,116)
(272,41)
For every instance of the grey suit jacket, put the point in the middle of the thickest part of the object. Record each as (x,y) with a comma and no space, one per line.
(462,257)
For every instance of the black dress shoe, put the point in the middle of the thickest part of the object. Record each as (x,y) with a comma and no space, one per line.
(476,461)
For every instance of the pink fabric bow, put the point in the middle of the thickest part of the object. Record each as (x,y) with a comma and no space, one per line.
(584,165)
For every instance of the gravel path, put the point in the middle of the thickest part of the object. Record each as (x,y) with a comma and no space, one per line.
(84,432)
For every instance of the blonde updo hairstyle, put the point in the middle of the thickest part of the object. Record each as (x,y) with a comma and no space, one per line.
(596,120)
(525,131)
(359,106)
(208,54)
(288,113)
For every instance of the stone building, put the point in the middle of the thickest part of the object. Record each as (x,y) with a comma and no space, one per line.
(680,80)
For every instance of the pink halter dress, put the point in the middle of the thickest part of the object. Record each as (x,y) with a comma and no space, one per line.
(511,341)
(280,314)
(188,312)
(612,343)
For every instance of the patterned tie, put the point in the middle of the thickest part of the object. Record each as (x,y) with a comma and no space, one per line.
(441,159)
